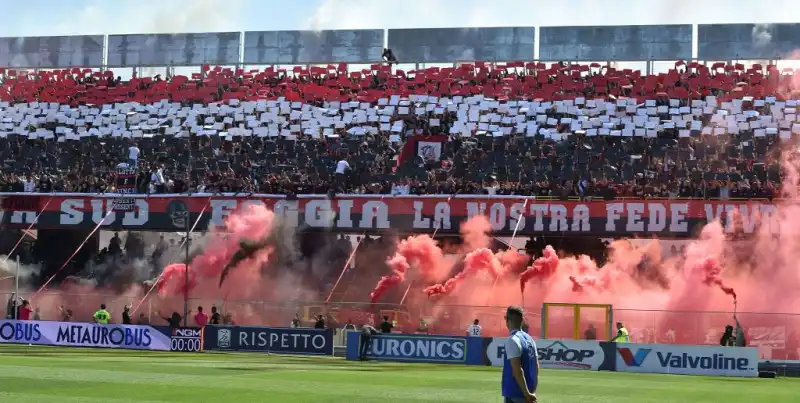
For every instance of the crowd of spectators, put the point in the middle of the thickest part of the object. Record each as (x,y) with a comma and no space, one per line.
(42,152)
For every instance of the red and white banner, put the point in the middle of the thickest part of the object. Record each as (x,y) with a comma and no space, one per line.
(405,213)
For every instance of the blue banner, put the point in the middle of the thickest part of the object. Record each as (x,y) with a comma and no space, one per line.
(269,339)
(83,335)
(419,348)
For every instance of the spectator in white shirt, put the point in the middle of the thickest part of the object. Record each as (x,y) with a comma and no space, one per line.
(400,189)
(133,155)
(341,173)
(29,184)
(157,179)
(342,166)
(474,330)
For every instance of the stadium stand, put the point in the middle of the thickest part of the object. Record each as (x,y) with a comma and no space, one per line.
(557,130)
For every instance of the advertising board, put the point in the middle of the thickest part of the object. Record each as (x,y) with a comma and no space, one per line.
(419,348)
(688,360)
(270,339)
(187,339)
(561,354)
(83,335)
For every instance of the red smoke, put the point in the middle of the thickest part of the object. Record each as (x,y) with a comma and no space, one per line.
(481,260)
(173,280)
(579,285)
(252,222)
(247,280)
(542,268)
(713,272)
(511,261)
(423,253)
(420,252)
(399,266)
(475,233)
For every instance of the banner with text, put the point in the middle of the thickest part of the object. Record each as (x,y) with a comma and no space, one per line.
(688,360)
(561,354)
(126,184)
(419,348)
(270,339)
(419,214)
(83,335)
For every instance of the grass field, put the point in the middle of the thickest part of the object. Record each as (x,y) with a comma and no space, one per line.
(55,374)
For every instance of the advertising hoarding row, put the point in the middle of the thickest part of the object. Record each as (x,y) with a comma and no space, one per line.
(556,354)
(162,338)
(640,358)
(583,355)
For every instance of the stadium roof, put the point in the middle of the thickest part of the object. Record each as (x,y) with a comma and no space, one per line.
(715,42)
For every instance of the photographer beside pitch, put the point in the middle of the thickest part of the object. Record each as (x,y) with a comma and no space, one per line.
(521,365)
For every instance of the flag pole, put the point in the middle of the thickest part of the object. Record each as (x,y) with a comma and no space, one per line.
(16,286)
(510,243)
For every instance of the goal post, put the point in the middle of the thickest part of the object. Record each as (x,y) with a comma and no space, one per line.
(570,321)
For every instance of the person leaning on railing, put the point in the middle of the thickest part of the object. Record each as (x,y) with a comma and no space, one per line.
(126,315)
(201,318)
(423,327)
(66,314)
(143,319)
(623,336)
(215,318)
(733,337)
(174,320)
(727,339)
(11,307)
(25,311)
(102,316)
(367,333)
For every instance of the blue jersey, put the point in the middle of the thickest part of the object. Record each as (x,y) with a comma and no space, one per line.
(520,345)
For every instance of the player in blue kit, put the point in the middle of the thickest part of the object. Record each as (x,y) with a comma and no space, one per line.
(521,365)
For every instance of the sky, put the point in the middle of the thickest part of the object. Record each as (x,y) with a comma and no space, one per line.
(84,17)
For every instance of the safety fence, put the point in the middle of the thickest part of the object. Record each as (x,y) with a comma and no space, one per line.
(774,334)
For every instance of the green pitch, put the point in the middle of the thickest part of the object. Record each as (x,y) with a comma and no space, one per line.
(53,375)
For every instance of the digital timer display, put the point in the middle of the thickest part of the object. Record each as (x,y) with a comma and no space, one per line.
(187,339)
